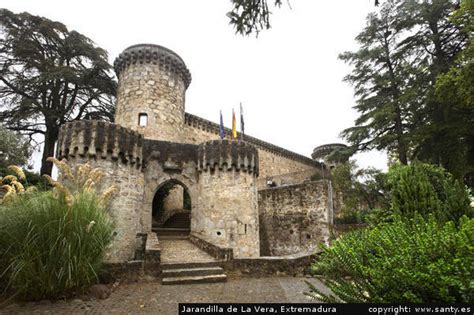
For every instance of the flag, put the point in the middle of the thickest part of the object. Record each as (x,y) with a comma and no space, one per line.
(221,128)
(242,125)
(234,125)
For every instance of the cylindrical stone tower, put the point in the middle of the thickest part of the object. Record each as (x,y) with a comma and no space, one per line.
(118,152)
(151,91)
(226,213)
(324,151)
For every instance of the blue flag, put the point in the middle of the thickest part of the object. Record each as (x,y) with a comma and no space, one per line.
(242,129)
(221,128)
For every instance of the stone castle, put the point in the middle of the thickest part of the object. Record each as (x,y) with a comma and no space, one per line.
(247,198)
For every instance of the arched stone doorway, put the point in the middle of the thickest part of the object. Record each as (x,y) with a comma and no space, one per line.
(171,209)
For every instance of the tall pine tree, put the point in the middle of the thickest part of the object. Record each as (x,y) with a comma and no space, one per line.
(438,41)
(404,50)
(382,77)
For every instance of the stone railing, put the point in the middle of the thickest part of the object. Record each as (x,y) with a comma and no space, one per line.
(220,253)
(294,265)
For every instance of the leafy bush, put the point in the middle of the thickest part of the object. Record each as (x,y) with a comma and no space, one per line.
(352,217)
(52,242)
(14,148)
(404,261)
(427,189)
(362,191)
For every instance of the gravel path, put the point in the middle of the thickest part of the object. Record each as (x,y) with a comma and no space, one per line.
(154,298)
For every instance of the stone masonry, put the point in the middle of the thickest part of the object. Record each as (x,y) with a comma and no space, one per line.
(294,218)
(227,212)
(153,81)
(154,142)
(118,152)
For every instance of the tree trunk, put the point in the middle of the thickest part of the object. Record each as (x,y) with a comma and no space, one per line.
(50,138)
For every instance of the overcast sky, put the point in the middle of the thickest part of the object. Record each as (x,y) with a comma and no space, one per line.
(289,79)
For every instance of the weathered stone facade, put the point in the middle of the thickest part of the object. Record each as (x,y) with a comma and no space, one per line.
(174,200)
(294,219)
(152,81)
(154,142)
(118,152)
(226,213)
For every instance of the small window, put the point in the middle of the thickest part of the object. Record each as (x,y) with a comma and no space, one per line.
(142,119)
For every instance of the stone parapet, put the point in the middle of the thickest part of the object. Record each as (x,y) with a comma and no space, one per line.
(228,155)
(291,265)
(167,59)
(97,139)
(218,252)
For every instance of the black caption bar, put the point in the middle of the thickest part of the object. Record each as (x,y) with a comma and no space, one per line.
(341,309)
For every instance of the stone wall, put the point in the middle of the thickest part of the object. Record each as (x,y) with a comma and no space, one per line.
(118,152)
(294,219)
(273,160)
(226,212)
(174,199)
(290,178)
(295,265)
(152,80)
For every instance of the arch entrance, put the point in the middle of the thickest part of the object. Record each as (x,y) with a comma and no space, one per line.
(171,209)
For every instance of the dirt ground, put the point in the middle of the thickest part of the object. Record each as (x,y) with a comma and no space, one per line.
(153,298)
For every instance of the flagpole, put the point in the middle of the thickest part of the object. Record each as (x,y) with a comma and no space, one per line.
(234,126)
(221,127)
(242,128)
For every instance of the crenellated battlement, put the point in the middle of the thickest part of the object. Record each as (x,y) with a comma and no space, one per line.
(225,155)
(167,60)
(98,139)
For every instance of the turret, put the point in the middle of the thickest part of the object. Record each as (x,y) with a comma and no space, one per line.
(323,152)
(119,153)
(151,91)
(227,209)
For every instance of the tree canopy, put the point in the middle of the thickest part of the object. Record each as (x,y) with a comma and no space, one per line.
(49,76)
(252,16)
(406,52)
(14,149)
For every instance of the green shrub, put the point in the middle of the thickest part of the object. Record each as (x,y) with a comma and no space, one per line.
(47,248)
(362,191)
(414,261)
(352,217)
(52,243)
(426,189)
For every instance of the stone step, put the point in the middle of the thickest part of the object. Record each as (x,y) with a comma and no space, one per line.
(171,231)
(187,265)
(194,279)
(186,272)
(174,237)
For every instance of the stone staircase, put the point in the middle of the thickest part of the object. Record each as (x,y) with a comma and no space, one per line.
(171,233)
(188,273)
(184,263)
(176,227)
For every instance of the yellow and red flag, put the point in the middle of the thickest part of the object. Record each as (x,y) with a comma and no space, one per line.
(234,126)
